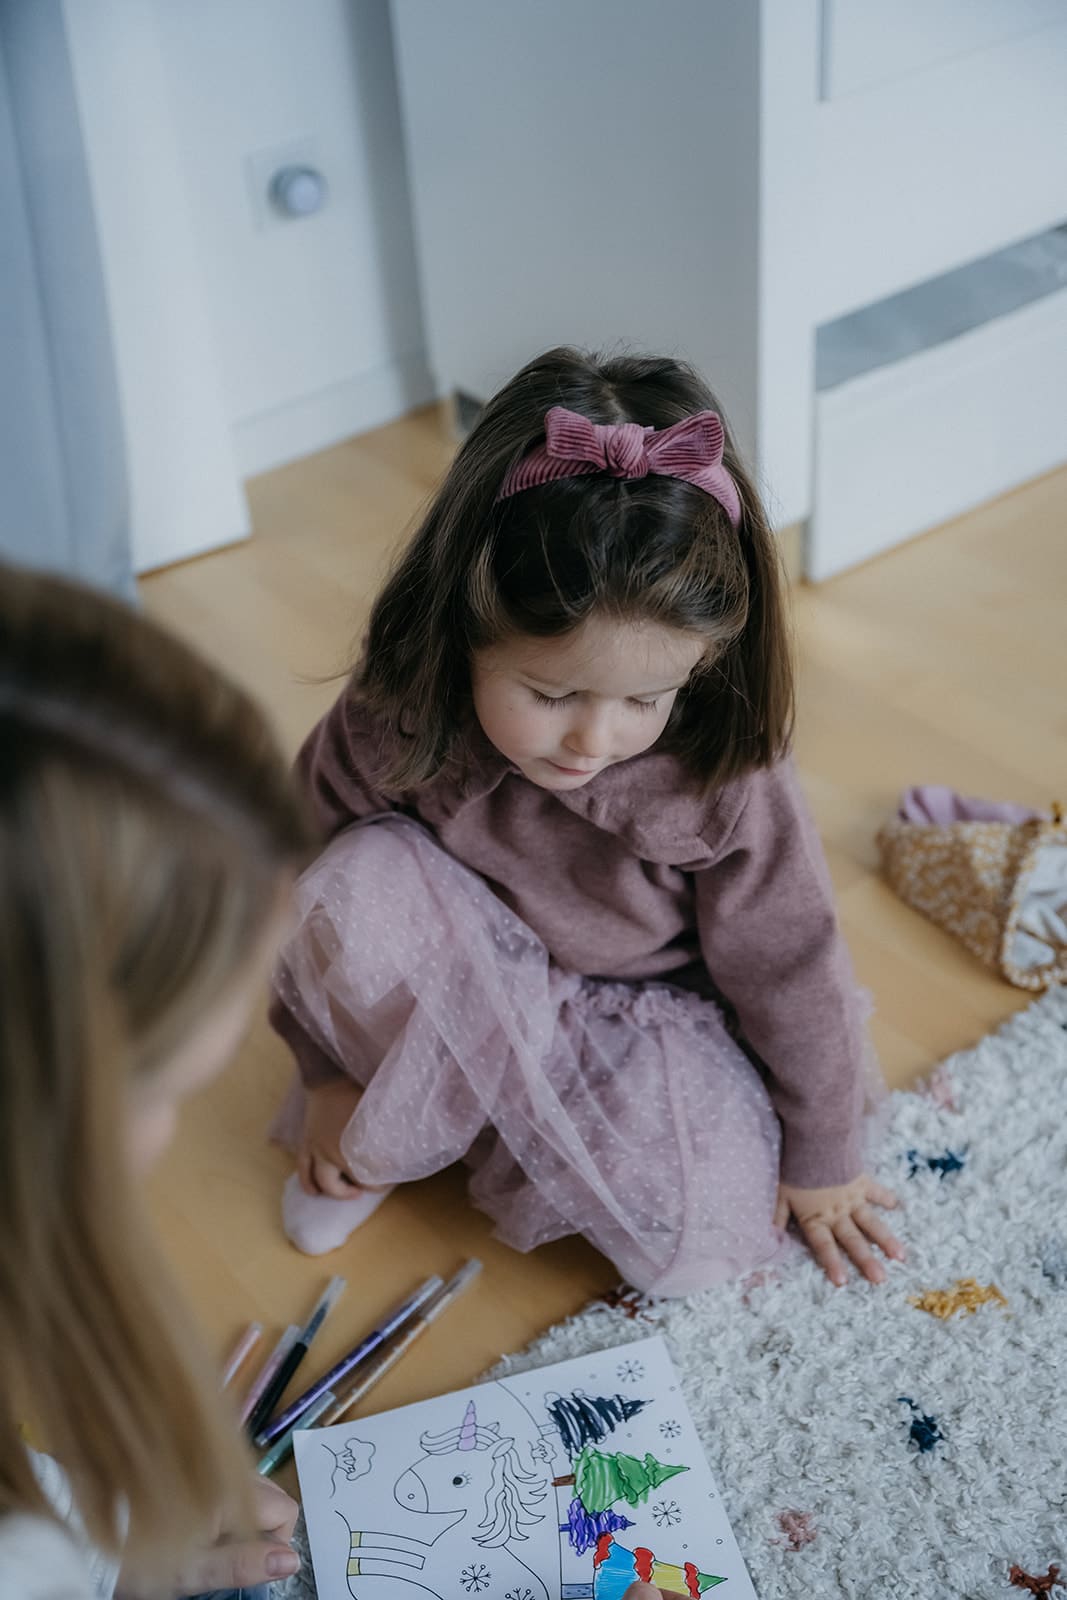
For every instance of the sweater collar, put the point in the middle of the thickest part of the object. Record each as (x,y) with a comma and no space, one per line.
(650,801)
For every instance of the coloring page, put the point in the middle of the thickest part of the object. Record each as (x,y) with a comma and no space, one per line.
(567,1483)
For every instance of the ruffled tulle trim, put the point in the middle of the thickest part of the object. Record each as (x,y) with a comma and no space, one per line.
(647,1005)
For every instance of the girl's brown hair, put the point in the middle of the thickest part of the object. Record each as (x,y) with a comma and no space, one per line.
(146,829)
(651,549)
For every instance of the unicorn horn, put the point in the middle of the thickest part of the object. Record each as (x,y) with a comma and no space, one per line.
(468,1434)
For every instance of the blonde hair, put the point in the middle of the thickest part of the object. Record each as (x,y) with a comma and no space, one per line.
(146,824)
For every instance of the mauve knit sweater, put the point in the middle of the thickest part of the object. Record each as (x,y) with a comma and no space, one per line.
(642,875)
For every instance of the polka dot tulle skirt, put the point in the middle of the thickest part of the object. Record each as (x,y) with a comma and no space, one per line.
(621,1111)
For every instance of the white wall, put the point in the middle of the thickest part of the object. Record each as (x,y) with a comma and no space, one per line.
(644,184)
(243,340)
(317,321)
(577,180)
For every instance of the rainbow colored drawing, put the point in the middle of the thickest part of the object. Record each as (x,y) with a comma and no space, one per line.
(615,1568)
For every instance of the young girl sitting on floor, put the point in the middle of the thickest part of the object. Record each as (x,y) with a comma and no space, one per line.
(148,837)
(574,924)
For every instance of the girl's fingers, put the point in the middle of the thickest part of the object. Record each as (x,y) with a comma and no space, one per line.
(824,1248)
(881,1195)
(876,1229)
(239,1566)
(276,1511)
(858,1251)
(781,1212)
(330,1179)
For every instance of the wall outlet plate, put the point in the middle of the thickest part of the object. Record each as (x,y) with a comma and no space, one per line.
(260,167)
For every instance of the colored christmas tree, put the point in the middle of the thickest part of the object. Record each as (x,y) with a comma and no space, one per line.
(588,1419)
(600,1480)
(585,1528)
(615,1568)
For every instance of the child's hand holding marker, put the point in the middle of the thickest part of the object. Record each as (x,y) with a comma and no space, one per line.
(838,1220)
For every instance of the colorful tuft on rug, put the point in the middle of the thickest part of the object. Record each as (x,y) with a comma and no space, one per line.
(908,1439)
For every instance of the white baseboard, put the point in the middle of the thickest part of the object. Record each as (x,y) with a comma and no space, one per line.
(317,420)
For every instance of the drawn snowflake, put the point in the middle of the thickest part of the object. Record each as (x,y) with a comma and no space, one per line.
(519,1594)
(630,1371)
(475,1578)
(667,1513)
(670,1429)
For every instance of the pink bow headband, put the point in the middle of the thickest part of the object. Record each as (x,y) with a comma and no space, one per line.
(574,446)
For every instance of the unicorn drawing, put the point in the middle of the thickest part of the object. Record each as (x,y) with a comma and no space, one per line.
(469,1487)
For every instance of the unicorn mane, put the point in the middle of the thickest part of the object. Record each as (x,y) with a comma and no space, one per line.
(513,1491)
(510,1500)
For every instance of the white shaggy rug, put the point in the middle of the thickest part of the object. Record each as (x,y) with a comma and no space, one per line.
(865,1447)
(796,1387)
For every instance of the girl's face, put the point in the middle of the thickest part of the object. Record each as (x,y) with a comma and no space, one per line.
(156,1097)
(563,709)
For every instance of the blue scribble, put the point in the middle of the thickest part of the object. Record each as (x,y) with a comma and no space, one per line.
(924,1431)
(942,1165)
(1053,1251)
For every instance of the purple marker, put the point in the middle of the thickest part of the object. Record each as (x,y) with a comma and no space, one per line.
(396,1319)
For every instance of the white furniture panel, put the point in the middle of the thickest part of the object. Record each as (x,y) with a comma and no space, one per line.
(866,42)
(916,177)
(185,494)
(316,321)
(786,262)
(908,446)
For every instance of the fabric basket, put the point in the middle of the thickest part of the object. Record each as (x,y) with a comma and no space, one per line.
(999,886)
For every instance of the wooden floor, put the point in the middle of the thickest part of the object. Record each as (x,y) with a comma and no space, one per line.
(941,662)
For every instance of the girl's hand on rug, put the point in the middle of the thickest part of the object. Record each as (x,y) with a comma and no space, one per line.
(839,1218)
(320,1164)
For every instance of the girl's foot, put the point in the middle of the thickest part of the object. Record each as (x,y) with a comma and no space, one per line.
(317,1224)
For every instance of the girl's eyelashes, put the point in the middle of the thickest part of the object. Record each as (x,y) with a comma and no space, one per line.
(562,699)
(550,699)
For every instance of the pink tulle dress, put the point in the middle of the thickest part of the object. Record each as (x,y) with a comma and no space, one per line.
(442,956)
(621,1111)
